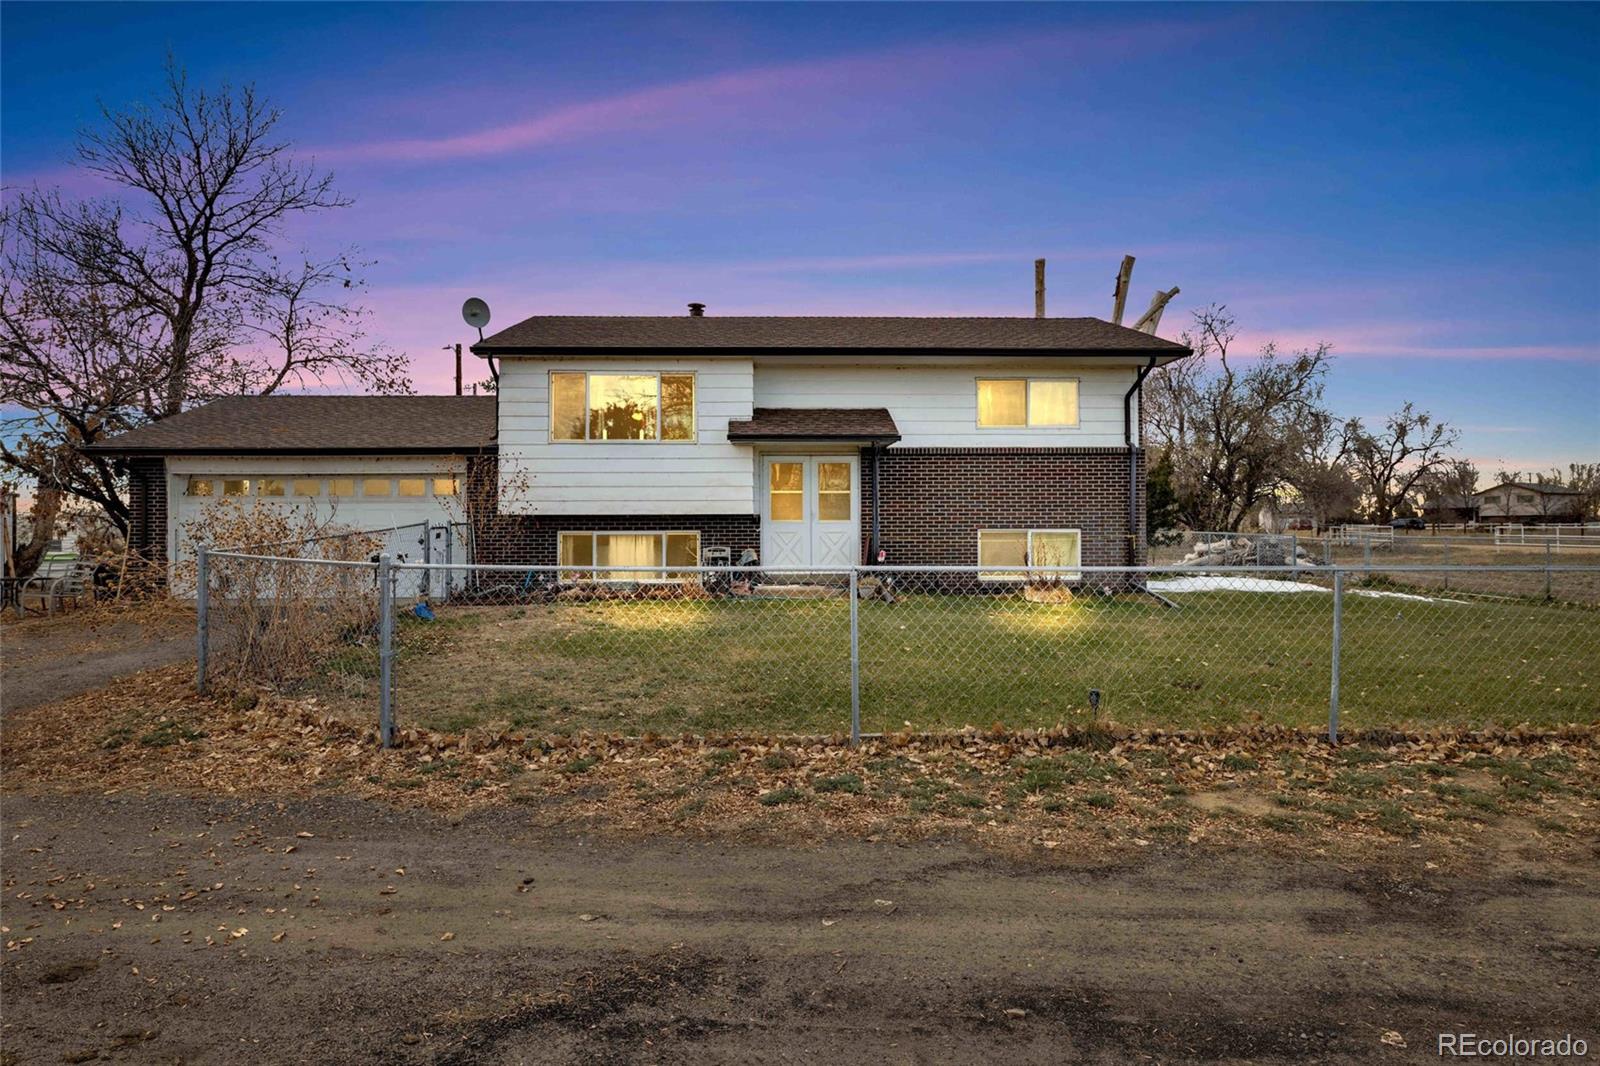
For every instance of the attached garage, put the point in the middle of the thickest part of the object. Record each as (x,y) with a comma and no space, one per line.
(365,462)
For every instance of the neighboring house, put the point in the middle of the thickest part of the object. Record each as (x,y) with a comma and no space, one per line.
(1452,508)
(1279,516)
(815,442)
(1520,502)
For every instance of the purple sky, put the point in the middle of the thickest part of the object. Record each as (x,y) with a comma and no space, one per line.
(1419,185)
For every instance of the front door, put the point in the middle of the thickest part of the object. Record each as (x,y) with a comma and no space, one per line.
(810,516)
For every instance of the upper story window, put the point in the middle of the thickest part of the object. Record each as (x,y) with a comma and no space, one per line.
(596,406)
(1524,497)
(1014,403)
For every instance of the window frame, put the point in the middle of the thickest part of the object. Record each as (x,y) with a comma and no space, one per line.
(1028,424)
(592,571)
(694,406)
(1020,576)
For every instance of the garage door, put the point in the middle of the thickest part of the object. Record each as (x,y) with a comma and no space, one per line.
(397,501)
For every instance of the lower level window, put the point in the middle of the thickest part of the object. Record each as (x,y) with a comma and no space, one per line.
(1028,547)
(595,552)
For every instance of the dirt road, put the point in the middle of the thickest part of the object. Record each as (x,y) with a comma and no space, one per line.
(48,659)
(168,929)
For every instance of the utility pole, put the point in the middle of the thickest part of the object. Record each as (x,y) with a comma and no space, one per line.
(1038,288)
(1119,296)
(457,349)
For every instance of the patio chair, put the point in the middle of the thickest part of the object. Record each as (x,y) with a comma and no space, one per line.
(59,579)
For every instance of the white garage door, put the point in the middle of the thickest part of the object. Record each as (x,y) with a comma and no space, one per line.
(364,499)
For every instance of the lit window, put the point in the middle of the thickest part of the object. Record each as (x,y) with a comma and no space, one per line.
(341,486)
(648,407)
(833,492)
(413,486)
(1045,548)
(375,486)
(1016,402)
(271,486)
(786,484)
(200,486)
(445,486)
(593,552)
(236,487)
(308,486)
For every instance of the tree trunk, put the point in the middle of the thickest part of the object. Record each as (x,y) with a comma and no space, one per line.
(41,529)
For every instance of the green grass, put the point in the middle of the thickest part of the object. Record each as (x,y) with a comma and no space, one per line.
(948,661)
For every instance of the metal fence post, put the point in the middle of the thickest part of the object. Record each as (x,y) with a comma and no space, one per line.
(385,650)
(1448,542)
(1338,641)
(202,598)
(1366,553)
(427,557)
(855,657)
(1547,569)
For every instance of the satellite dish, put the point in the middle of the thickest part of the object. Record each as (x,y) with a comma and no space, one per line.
(476,313)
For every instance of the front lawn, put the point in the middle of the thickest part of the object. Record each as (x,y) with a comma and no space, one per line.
(668,666)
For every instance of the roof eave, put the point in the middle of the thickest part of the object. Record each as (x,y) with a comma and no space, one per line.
(813,438)
(146,450)
(1164,353)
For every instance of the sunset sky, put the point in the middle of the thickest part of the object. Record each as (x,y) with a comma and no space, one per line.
(1418,185)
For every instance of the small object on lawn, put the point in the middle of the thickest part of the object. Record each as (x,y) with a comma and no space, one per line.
(1393,1039)
(423,611)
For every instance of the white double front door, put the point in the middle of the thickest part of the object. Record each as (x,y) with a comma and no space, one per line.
(810,515)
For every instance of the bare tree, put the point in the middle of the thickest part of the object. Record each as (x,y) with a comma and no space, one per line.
(117,312)
(1318,469)
(1585,479)
(1456,479)
(1390,461)
(1226,428)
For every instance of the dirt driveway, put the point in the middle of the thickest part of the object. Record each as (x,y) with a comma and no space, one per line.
(47,659)
(162,928)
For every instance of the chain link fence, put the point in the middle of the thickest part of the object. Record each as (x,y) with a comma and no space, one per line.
(706,650)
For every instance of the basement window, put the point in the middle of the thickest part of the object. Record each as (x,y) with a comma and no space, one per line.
(1029,547)
(591,553)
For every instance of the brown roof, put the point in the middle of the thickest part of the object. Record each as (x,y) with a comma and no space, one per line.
(344,425)
(631,335)
(816,423)
(1548,490)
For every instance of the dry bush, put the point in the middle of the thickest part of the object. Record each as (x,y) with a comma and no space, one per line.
(283,607)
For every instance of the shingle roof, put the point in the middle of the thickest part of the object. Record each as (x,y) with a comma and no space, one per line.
(622,334)
(310,424)
(1548,490)
(816,423)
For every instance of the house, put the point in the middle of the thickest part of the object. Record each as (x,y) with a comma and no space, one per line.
(1520,502)
(648,441)
(1451,508)
(1273,515)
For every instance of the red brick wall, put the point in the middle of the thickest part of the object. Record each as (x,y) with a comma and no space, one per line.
(147,504)
(934,500)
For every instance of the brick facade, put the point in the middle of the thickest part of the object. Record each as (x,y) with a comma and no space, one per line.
(147,507)
(933,501)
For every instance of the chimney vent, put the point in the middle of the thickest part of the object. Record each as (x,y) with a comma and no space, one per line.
(697,310)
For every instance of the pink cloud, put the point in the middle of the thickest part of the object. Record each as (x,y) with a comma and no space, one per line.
(733,96)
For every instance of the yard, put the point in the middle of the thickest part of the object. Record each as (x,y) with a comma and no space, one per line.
(929,662)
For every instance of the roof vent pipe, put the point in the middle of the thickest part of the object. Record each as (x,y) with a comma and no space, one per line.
(697,310)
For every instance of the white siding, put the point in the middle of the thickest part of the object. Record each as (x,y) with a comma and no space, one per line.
(708,476)
(936,405)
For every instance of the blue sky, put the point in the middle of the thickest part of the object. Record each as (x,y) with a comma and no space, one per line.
(1418,185)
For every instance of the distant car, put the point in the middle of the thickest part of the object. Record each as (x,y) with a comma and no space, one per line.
(1407,523)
